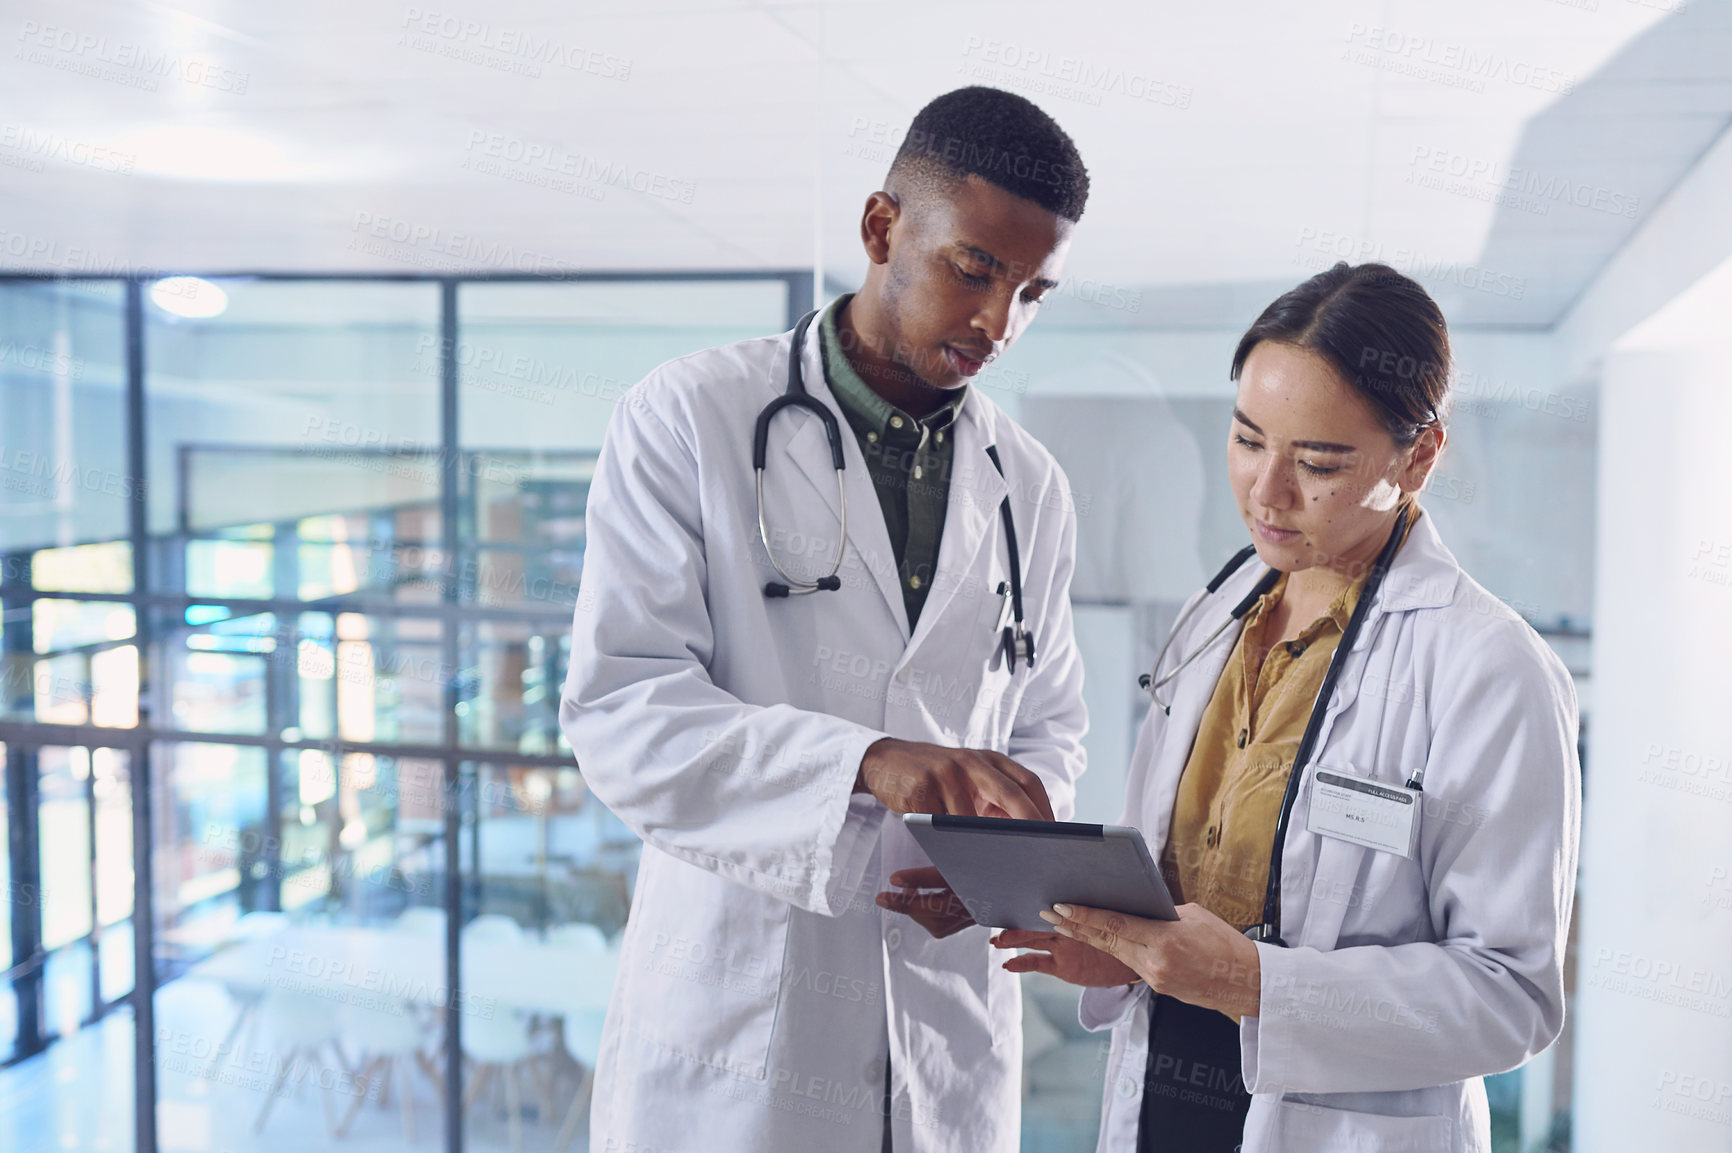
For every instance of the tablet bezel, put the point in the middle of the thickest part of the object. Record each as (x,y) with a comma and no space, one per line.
(994,886)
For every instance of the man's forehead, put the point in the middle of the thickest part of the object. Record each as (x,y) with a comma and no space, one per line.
(1030,245)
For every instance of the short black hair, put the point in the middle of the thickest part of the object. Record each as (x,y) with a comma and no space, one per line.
(1379,330)
(1002,138)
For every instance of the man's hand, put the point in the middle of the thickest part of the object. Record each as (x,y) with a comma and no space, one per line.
(927,899)
(1200,959)
(911,777)
(1067,959)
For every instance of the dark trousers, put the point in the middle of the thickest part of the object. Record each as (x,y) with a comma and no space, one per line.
(1194,1098)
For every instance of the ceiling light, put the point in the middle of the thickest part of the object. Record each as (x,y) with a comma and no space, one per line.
(189,296)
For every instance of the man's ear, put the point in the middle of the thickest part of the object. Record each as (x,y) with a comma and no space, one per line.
(1425,452)
(883,210)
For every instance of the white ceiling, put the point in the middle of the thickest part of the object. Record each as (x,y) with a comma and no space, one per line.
(320,136)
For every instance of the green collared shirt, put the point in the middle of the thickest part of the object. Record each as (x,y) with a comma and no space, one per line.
(909,461)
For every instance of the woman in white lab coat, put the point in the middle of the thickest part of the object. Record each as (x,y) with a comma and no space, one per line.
(1396,967)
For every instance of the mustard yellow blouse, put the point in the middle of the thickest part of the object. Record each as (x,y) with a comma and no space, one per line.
(1217,852)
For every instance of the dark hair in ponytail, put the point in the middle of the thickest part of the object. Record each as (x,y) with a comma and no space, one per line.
(1380,331)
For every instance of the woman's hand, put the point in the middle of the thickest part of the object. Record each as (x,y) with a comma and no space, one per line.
(927,899)
(1067,959)
(1199,959)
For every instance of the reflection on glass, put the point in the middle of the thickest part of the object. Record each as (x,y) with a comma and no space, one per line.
(63,808)
(61,690)
(66,986)
(511,692)
(529,517)
(62,435)
(114,687)
(89,568)
(6,886)
(367,678)
(214,692)
(58,624)
(293,454)
(229,568)
(343,992)
(300,400)
(553,872)
(546,852)
(360,833)
(112,790)
(115,962)
(209,839)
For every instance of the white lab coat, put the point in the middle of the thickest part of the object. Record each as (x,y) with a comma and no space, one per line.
(759,986)
(1406,980)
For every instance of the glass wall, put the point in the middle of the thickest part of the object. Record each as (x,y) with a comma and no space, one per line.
(328,700)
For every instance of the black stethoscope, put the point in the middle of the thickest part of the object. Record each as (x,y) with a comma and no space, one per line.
(1015,639)
(1269,929)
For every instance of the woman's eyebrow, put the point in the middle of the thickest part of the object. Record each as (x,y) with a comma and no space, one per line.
(1313,445)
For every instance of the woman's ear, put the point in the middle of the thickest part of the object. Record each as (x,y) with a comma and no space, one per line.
(1422,457)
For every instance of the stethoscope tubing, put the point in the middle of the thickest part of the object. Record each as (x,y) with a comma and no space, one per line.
(1014,640)
(1268,929)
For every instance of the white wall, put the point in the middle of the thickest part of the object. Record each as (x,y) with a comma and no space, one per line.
(1513,495)
(1654,1063)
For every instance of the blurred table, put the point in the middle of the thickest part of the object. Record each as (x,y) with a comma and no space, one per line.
(359,964)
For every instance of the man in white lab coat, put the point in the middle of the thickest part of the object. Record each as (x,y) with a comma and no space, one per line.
(763,746)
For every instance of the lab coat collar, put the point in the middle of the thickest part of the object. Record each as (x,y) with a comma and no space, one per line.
(970,513)
(807,450)
(1425,573)
(971,510)
(1424,576)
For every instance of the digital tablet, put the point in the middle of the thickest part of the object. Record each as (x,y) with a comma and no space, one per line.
(1006,871)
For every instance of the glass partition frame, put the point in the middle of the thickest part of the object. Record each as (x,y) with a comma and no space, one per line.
(460,610)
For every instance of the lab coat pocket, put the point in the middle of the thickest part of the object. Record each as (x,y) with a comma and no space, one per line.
(705,975)
(1300,1127)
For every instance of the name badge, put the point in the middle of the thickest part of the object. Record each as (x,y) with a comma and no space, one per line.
(1369,813)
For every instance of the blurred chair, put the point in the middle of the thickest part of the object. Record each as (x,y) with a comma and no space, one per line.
(246,998)
(305,1024)
(582,1034)
(578,936)
(493,927)
(429,923)
(389,1042)
(500,1045)
(421,920)
(580,1030)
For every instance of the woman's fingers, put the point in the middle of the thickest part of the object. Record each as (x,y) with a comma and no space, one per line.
(1109,932)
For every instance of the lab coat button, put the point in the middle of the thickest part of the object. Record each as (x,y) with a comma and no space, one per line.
(905,675)
(893,938)
(1127,1087)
